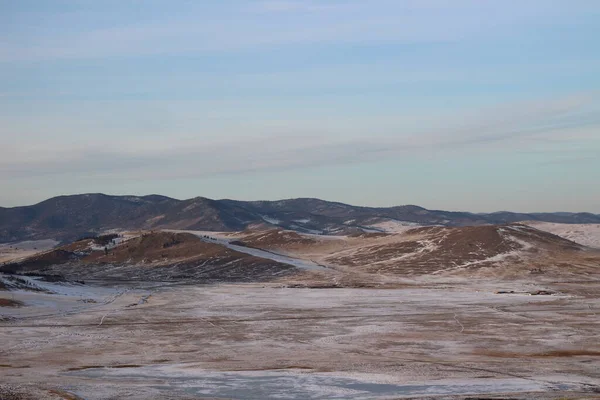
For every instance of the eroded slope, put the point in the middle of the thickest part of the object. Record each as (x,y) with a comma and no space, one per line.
(151,256)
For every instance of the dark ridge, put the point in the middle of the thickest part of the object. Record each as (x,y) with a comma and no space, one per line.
(66,218)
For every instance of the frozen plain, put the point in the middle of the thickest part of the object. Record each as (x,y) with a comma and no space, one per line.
(268,341)
(431,336)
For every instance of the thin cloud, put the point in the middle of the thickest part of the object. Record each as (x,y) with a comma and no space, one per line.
(218,28)
(287,6)
(508,126)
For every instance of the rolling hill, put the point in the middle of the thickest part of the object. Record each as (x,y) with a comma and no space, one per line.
(151,256)
(66,218)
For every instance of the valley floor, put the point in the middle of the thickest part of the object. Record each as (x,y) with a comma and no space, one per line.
(428,339)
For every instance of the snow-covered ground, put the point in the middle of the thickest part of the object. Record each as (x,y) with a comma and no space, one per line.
(297,384)
(48,298)
(296,262)
(270,220)
(41,245)
(258,341)
(585,234)
(393,226)
(302,221)
(431,336)
(224,241)
(17,250)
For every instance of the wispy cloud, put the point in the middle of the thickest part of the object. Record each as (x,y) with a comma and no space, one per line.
(510,126)
(154,90)
(215,28)
(287,6)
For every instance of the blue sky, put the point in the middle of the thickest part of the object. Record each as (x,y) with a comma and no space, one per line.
(463,105)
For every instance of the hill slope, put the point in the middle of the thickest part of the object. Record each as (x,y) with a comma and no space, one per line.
(149,257)
(487,251)
(505,250)
(66,218)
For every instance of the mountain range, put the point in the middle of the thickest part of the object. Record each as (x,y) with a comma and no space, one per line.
(66,218)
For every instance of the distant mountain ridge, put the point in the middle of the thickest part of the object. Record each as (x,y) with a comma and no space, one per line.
(69,217)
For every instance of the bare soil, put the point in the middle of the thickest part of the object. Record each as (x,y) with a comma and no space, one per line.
(432,313)
(10,303)
(152,256)
(431,333)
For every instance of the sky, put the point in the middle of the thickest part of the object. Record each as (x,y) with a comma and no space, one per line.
(448,104)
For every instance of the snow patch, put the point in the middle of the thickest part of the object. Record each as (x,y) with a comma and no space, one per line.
(270,220)
(393,226)
(302,221)
(584,234)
